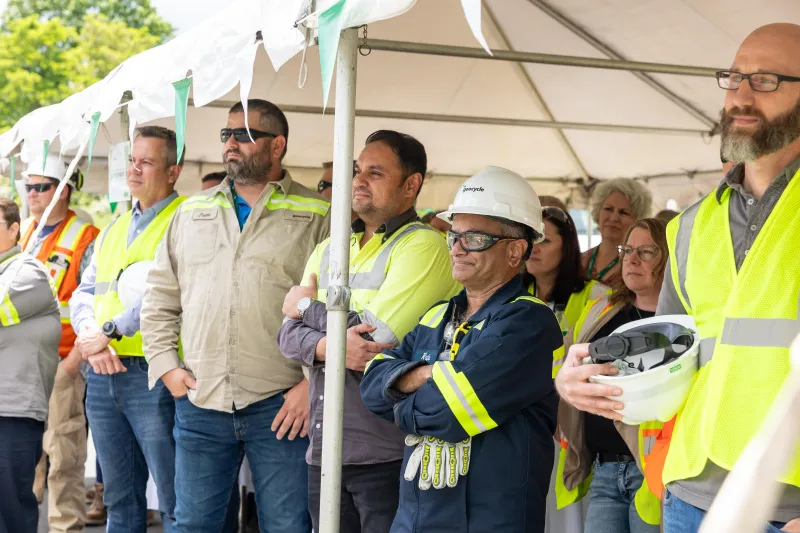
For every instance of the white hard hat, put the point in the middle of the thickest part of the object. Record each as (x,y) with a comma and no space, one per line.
(51,167)
(660,389)
(130,286)
(498,192)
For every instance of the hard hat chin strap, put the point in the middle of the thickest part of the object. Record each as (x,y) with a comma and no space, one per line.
(641,340)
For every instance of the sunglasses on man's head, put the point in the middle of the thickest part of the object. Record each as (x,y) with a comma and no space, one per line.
(39,187)
(241,135)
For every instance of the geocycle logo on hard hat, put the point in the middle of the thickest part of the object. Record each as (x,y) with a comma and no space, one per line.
(472,189)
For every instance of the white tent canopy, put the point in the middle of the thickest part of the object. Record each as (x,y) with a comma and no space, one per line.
(468,111)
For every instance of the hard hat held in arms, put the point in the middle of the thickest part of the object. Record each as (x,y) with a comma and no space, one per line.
(501,193)
(132,281)
(657,358)
(55,168)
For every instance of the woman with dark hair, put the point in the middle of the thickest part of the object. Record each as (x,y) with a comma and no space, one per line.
(600,456)
(554,271)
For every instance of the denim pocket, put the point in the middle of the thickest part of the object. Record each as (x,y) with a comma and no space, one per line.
(773,528)
(668,498)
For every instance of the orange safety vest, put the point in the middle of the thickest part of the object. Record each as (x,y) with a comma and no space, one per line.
(61,252)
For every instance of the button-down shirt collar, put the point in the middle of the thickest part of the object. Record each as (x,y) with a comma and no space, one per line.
(734,179)
(389,227)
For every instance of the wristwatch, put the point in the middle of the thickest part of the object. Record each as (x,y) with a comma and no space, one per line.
(110,331)
(303,305)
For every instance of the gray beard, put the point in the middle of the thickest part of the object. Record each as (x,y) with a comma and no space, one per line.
(248,171)
(770,137)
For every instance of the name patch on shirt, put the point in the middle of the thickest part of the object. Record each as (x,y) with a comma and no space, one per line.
(297,216)
(205,214)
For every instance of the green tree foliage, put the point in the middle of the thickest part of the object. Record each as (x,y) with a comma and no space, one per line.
(132,13)
(42,61)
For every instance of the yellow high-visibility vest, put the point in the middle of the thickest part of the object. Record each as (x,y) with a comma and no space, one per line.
(746,320)
(112,256)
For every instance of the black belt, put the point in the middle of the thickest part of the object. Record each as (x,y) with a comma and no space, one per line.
(604,457)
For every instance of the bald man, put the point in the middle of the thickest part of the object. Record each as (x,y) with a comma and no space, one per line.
(736,269)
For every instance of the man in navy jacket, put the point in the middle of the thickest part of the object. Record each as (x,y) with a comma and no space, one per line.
(471,384)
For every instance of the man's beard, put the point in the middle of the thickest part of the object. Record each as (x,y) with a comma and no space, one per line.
(251,170)
(769,138)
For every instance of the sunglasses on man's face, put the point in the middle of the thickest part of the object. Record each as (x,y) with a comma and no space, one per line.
(322,185)
(38,187)
(241,135)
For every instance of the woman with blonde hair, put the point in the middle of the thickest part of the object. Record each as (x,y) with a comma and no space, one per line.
(598,455)
(616,204)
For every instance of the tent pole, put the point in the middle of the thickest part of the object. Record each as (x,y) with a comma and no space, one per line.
(339,291)
(533,57)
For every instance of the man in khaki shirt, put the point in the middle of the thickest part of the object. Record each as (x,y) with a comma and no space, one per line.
(230,255)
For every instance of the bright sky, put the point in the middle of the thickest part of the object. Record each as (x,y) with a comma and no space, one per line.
(183,14)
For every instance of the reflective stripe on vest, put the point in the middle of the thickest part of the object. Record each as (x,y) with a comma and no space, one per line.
(374,278)
(113,256)
(746,319)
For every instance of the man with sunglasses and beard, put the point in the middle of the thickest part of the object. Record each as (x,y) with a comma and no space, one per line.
(229,257)
(399,267)
(471,384)
(64,245)
(735,268)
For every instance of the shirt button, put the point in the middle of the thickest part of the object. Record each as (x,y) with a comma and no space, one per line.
(238,256)
(753,227)
(318,426)
(745,252)
(750,201)
(235,283)
(231,342)
(320,396)
(233,313)
(323,369)
(227,379)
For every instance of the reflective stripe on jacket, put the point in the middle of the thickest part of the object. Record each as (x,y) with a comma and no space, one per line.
(498,390)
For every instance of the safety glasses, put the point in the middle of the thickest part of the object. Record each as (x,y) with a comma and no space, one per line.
(322,185)
(38,187)
(241,135)
(645,253)
(475,241)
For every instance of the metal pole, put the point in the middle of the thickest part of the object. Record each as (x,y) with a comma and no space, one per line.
(492,121)
(339,291)
(544,59)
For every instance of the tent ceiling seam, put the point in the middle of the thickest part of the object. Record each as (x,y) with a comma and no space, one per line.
(537,96)
(601,46)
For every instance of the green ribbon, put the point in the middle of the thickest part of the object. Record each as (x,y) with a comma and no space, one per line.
(181,105)
(330,30)
(13,176)
(44,157)
(92,138)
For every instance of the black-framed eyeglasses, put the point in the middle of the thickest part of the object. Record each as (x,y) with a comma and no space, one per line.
(39,187)
(241,135)
(645,253)
(475,241)
(763,82)
(556,213)
(322,185)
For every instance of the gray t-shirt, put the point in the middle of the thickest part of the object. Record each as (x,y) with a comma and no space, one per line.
(747,217)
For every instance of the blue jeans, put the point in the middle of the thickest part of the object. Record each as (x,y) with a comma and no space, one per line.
(20,450)
(132,430)
(611,505)
(680,517)
(210,446)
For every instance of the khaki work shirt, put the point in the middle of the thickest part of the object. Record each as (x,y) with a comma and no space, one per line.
(222,289)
